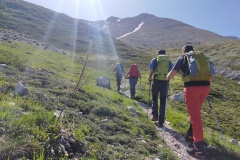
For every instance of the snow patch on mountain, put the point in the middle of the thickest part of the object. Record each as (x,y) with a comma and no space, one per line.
(136,29)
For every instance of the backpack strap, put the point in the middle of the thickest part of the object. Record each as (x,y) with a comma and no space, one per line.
(154,64)
(185,60)
(122,67)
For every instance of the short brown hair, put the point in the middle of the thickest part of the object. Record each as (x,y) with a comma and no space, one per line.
(161,52)
(187,48)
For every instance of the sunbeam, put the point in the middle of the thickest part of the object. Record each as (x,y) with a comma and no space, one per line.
(102,42)
(52,22)
(96,10)
(74,41)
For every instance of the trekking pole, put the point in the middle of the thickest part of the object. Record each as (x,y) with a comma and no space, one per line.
(217,122)
(126,84)
(149,96)
(140,86)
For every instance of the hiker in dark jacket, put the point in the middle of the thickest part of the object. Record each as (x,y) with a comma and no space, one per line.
(195,92)
(159,87)
(133,74)
(119,74)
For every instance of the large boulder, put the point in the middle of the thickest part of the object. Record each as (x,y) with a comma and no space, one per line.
(3,66)
(20,89)
(178,97)
(133,110)
(103,82)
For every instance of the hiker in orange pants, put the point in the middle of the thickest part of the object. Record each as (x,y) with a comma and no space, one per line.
(194,101)
(195,92)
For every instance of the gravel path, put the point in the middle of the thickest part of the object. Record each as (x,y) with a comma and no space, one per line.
(171,137)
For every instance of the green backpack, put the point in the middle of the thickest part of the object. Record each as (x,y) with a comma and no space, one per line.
(199,66)
(161,68)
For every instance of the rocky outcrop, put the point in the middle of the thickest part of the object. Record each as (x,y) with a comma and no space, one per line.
(9,36)
(178,97)
(20,89)
(228,72)
(103,82)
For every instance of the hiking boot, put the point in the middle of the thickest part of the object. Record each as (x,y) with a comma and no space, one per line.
(189,135)
(188,138)
(160,124)
(197,150)
(155,118)
(190,145)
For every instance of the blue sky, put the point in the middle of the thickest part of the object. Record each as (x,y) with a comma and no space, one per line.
(218,16)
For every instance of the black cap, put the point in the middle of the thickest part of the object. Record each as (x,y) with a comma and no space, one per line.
(161,52)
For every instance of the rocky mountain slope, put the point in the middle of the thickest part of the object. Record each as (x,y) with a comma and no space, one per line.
(145,31)
(148,31)
(55,28)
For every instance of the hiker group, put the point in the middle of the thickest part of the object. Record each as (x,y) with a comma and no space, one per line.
(133,74)
(197,74)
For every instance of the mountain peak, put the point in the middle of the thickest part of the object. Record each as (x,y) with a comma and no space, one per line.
(146,15)
(149,31)
(112,19)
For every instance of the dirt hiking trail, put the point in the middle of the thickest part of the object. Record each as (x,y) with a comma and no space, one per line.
(173,139)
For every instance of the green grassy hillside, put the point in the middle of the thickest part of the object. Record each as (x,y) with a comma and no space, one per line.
(96,123)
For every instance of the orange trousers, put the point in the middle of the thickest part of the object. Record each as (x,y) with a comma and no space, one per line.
(194,97)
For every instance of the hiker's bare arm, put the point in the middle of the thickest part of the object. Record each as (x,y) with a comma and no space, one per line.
(150,74)
(211,79)
(171,74)
(126,75)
